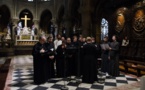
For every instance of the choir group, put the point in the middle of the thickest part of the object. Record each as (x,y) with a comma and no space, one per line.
(76,56)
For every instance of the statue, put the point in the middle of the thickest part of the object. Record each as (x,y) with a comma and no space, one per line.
(33,30)
(19,28)
(25,31)
(8,37)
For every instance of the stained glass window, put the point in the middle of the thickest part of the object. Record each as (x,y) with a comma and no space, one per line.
(104,28)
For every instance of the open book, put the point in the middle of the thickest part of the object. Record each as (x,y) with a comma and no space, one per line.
(105,46)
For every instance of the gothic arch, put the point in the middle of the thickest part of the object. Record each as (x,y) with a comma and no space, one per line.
(45,20)
(29,15)
(5,16)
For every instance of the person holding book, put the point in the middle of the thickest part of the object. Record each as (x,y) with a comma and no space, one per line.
(104,56)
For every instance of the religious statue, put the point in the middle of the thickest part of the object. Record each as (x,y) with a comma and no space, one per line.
(25,31)
(19,28)
(120,22)
(8,37)
(33,30)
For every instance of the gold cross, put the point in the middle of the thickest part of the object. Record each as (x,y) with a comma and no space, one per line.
(25,19)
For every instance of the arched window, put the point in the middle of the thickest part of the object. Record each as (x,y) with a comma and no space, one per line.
(104,28)
(45,0)
(30,0)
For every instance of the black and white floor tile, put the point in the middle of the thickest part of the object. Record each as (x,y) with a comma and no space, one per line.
(22,79)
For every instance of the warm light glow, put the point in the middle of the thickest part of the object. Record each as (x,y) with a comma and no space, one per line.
(120,19)
(139,13)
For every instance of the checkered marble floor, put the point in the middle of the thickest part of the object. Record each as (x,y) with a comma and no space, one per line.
(22,79)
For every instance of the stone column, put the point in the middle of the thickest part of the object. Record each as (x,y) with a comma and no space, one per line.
(68,25)
(14,21)
(98,32)
(86,11)
(67,17)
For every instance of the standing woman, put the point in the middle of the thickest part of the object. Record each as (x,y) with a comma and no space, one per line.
(114,57)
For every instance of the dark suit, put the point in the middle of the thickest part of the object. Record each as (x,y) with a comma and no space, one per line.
(114,56)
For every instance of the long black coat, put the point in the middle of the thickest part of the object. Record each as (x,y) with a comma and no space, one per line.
(60,61)
(40,63)
(114,57)
(50,62)
(89,63)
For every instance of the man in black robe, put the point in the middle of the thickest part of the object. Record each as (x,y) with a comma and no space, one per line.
(105,54)
(75,45)
(51,59)
(114,57)
(69,57)
(60,60)
(40,61)
(89,62)
(80,56)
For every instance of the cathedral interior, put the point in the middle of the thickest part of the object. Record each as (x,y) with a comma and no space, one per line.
(22,21)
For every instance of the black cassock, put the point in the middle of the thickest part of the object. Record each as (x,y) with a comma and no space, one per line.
(105,61)
(74,61)
(50,62)
(70,62)
(60,61)
(40,64)
(89,63)
(114,56)
(80,57)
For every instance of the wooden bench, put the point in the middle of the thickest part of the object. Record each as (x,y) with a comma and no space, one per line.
(136,65)
(133,57)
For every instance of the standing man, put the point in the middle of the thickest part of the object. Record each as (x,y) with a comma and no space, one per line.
(104,56)
(114,56)
(51,60)
(60,60)
(57,42)
(69,53)
(75,45)
(40,61)
(89,62)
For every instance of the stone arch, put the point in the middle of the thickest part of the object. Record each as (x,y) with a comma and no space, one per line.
(23,8)
(72,16)
(5,16)
(29,15)
(45,20)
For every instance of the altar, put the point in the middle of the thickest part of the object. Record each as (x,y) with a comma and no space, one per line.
(25,36)
(24,40)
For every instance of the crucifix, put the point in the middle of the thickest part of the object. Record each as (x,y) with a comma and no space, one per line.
(25,20)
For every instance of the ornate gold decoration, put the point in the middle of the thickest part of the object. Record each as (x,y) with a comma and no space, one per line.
(120,22)
(139,21)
